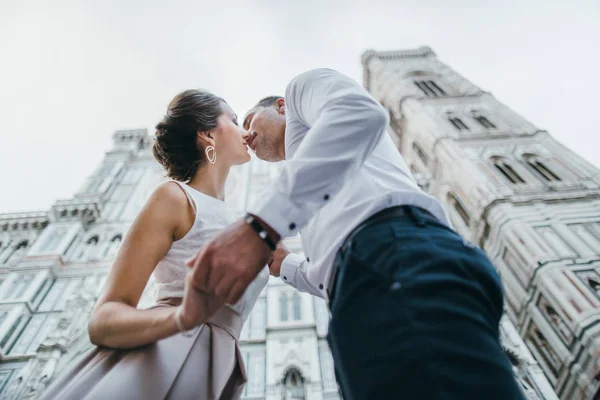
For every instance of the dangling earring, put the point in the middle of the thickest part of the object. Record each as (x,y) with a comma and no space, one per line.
(211,154)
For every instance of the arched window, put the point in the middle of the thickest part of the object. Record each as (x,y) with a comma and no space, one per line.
(87,249)
(483,121)
(17,252)
(594,284)
(113,246)
(504,167)
(420,153)
(540,168)
(430,88)
(457,123)
(459,208)
(293,386)
(283,307)
(296,307)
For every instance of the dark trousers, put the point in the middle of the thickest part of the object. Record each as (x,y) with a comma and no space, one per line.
(415,315)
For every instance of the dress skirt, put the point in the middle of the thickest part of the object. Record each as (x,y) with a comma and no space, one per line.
(205,365)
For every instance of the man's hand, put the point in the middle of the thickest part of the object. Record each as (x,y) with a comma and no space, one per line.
(280,253)
(229,262)
(197,306)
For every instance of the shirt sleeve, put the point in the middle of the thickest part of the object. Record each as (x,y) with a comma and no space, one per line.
(344,125)
(293,272)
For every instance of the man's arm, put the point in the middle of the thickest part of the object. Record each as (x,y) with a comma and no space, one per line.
(345,124)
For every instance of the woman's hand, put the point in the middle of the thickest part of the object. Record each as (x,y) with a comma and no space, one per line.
(280,253)
(196,306)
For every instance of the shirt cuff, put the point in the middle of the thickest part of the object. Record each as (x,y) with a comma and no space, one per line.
(280,214)
(289,269)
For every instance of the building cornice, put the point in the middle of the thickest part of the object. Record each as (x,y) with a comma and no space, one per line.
(24,220)
(423,51)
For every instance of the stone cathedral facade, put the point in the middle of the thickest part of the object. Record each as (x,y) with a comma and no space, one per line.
(528,201)
(533,205)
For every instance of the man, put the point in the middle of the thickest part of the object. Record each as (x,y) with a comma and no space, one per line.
(415,309)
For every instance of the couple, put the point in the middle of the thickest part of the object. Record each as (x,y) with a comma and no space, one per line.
(415,309)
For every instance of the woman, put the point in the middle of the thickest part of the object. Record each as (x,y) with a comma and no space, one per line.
(188,352)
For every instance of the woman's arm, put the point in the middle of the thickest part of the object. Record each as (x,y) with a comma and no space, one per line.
(115,321)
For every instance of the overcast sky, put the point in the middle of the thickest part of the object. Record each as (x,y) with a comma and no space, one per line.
(73,72)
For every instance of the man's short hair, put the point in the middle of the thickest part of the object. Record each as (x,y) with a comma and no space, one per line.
(267,101)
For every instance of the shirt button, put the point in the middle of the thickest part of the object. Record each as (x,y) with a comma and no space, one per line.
(308,259)
(321,286)
(326,197)
(285,278)
(292,226)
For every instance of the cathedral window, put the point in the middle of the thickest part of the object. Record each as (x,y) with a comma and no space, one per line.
(546,354)
(540,168)
(113,246)
(283,307)
(591,279)
(87,249)
(17,252)
(297,307)
(430,88)
(290,307)
(458,123)
(12,335)
(594,284)
(483,121)
(420,153)
(557,322)
(504,167)
(459,208)
(257,323)
(293,386)
(256,371)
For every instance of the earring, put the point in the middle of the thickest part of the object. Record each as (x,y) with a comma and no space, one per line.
(211,154)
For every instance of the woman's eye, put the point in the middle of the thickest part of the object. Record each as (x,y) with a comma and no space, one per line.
(235,121)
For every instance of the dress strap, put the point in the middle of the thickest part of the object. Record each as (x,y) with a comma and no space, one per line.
(187,194)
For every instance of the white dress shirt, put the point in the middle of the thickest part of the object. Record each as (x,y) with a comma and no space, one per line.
(341,168)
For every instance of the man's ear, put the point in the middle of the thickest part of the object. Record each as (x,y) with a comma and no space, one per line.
(280,105)
(205,138)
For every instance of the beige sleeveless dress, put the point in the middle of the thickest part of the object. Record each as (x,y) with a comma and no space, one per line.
(206,365)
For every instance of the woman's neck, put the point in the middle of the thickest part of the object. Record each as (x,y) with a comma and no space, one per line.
(210,180)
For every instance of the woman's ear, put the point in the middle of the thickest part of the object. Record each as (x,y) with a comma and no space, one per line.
(206,138)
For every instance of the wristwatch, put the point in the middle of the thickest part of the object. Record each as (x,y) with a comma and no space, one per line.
(262,233)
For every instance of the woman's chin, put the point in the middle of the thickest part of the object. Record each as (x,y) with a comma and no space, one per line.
(246,158)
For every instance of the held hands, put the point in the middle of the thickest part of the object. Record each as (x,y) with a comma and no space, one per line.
(196,306)
(280,253)
(228,263)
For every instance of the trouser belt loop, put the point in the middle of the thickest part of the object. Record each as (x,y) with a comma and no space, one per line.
(415,214)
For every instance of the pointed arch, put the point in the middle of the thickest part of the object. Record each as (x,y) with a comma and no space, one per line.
(505,167)
(540,168)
